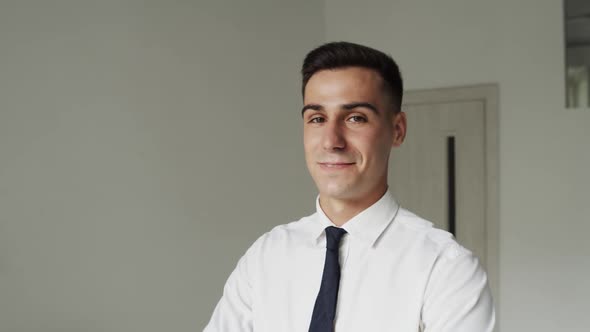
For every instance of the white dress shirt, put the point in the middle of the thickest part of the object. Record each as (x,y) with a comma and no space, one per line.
(398,273)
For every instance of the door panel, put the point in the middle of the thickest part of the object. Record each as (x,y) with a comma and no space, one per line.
(450,193)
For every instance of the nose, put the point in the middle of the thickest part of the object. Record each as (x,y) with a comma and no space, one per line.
(333,138)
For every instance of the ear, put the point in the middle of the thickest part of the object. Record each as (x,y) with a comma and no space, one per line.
(399,128)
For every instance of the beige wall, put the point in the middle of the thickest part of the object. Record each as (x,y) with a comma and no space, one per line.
(544,148)
(144,145)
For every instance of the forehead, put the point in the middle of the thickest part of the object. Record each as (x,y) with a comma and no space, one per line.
(348,83)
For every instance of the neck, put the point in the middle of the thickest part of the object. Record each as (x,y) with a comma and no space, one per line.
(340,211)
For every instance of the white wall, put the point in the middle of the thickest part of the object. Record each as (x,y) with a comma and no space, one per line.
(544,148)
(139,139)
(134,135)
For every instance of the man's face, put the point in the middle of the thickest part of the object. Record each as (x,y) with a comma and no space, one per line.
(349,129)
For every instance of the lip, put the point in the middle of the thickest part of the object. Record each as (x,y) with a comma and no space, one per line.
(335,166)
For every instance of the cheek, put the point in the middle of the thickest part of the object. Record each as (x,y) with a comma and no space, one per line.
(306,144)
(310,140)
(374,148)
(309,147)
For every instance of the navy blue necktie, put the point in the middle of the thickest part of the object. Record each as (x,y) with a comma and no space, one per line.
(324,310)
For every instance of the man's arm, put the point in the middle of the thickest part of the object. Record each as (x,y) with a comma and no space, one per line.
(457,297)
(234,310)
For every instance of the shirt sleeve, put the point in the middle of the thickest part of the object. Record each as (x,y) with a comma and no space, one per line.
(457,297)
(233,312)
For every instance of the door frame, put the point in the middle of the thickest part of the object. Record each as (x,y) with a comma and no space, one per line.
(488,94)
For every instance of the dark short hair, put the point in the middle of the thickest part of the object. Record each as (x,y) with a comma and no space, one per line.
(344,54)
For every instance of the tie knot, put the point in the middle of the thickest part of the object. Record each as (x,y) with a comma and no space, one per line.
(333,237)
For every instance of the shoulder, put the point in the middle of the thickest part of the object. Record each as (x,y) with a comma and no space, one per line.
(285,234)
(430,252)
(453,270)
(292,229)
(423,235)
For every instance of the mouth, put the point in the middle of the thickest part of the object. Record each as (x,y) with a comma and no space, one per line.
(335,165)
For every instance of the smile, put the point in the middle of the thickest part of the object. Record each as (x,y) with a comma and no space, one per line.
(335,166)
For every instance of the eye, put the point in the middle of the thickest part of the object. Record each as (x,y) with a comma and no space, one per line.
(317,119)
(357,118)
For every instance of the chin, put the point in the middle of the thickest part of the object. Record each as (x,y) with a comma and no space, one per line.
(339,191)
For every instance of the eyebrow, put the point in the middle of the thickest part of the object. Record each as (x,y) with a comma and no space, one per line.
(349,106)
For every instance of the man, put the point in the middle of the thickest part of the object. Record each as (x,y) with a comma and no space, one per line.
(361,262)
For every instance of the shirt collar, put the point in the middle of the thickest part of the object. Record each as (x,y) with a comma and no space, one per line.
(367,226)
